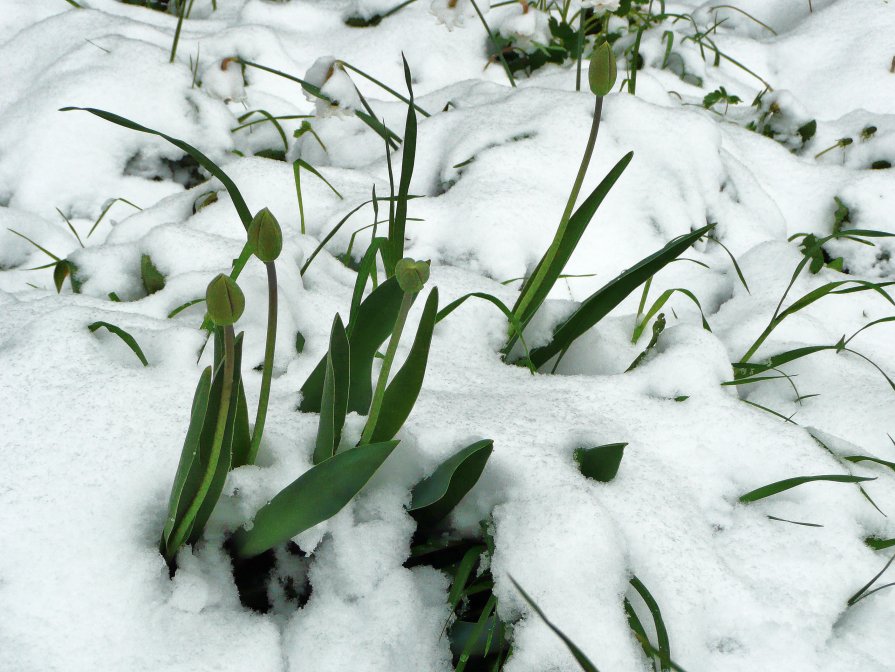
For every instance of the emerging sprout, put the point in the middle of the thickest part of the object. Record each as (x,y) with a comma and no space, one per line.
(225,300)
(411,275)
(265,236)
(602,71)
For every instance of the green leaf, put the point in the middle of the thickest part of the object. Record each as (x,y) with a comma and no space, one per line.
(582,660)
(435,497)
(661,631)
(807,131)
(375,319)
(187,477)
(878,544)
(225,459)
(786,484)
(315,496)
(535,290)
(124,336)
(242,437)
(403,390)
(604,300)
(601,462)
(471,638)
(61,270)
(461,575)
(398,224)
(334,401)
(153,280)
(239,203)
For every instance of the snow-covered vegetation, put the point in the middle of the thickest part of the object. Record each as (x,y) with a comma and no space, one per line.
(435,335)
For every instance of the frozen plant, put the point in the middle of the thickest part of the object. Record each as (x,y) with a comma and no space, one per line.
(452,13)
(601,6)
(328,75)
(525,27)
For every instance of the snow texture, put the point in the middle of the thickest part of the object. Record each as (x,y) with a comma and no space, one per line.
(92,438)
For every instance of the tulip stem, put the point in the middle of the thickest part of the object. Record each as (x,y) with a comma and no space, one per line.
(267,371)
(375,406)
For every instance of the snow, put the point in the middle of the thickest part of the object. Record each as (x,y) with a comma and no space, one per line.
(92,438)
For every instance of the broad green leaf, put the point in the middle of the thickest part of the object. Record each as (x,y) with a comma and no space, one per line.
(315,496)
(605,299)
(375,320)
(153,280)
(238,201)
(225,458)
(403,390)
(601,462)
(536,288)
(187,477)
(434,497)
(582,660)
(334,403)
(124,336)
(661,631)
(786,484)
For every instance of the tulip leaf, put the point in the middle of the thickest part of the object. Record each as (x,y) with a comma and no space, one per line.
(334,402)
(403,390)
(225,457)
(601,462)
(375,319)
(315,496)
(604,300)
(434,497)
(189,473)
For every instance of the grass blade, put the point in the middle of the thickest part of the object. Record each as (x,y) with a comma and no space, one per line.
(582,660)
(786,484)
(129,340)
(661,631)
(239,203)
(604,300)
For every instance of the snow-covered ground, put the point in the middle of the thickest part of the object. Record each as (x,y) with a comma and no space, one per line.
(91,438)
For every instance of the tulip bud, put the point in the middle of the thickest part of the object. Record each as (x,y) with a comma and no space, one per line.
(411,275)
(224,300)
(265,236)
(602,71)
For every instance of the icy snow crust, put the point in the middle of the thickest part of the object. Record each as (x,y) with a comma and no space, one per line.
(92,438)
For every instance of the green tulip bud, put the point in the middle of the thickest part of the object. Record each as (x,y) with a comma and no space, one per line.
(265,236)
(224,300)
(602,71)
(411,275)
